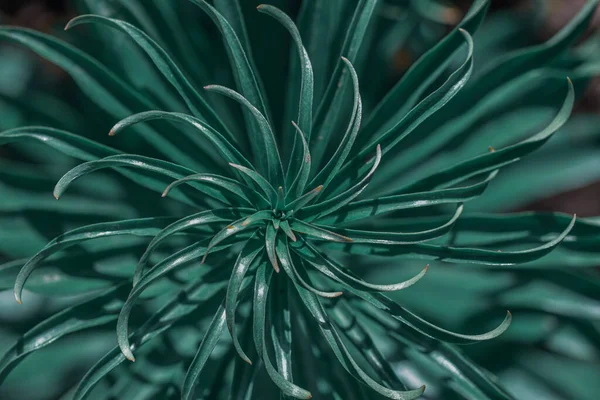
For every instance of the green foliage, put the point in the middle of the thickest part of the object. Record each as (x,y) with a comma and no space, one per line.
(289,235)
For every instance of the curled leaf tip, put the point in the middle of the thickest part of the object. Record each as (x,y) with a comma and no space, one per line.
(18,298)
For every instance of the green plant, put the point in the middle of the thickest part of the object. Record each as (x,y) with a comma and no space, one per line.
(322,200)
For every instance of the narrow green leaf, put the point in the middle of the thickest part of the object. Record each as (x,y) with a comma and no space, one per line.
(229,152)
(164,63)
(269,144)
(527,59)
(65,142)
(463,254)
(94,312)
(335,203)
(495,158)
(191,221)
(286,228)
(243,192)
(208,344)
(281,330)
(260,332)
(373,207)
(146,164)
(333,270)
(236,227)
(245,259)
(429,67)
(427,108)
(262,183)
(305,102)
(303,200)
(299,183)
(183,303)
(345,318)
(313,230)
(242,69)
(299,274)
(328,173)
(393,238)
(327,117)
(336,344)
(177,260)
(135,227)
(270,242)
(100,85)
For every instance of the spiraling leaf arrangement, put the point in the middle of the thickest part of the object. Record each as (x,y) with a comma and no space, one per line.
(272,222)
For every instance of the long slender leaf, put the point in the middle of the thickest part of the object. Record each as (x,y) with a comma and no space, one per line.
(245,259)
(372,207)
(191,221)
(135,227)
(261,291)
(163,62)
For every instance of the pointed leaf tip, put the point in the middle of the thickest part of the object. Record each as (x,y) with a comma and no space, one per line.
(112,132)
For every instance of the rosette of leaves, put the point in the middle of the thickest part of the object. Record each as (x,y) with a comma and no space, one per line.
(267,226)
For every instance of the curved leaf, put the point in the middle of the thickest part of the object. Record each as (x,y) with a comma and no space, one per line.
(136,227)
(191,221)
(393,238)
(163,62)
(228,150)
(274,166)
(495,158)
(245,259)
(94,312)
(261,291)
(372,207)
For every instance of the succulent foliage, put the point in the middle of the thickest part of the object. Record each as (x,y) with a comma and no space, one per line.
(291,185)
